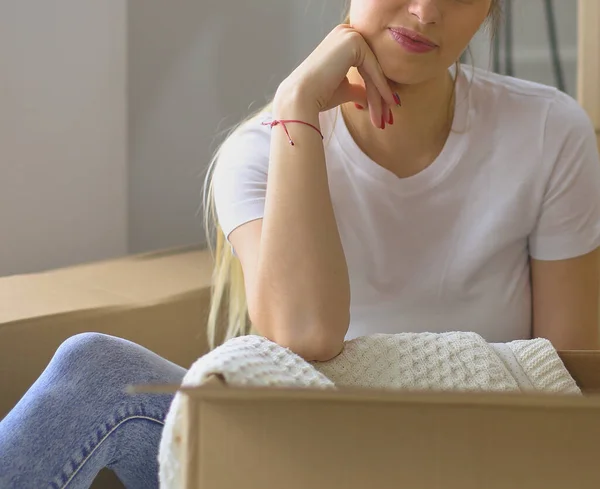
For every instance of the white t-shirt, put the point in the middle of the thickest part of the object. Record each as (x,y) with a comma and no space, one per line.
(448,249)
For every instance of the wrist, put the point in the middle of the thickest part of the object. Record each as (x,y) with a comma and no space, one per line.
(292,103)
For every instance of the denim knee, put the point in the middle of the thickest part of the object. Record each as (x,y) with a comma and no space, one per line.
(83,352)
(112,360)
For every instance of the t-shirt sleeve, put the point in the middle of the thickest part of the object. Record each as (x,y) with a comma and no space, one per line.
(240,175)
(569,220)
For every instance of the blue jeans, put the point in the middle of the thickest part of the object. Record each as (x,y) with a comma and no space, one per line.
(76,418)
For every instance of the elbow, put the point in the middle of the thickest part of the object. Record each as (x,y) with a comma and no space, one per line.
(313,345)
(313,340)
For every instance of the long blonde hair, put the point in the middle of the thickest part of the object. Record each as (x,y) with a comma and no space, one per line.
(227,287)
(228,313)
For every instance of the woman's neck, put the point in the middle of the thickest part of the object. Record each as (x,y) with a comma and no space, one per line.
(421,126)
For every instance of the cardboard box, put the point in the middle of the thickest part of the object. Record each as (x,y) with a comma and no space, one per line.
(288,438)
(259,438)
(158,300)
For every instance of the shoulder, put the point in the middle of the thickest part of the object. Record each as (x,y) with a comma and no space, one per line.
(251,134)
(517,86)
(533,109)
(528,97)
(238,173)
(244,154)
(567,120)
(486,85)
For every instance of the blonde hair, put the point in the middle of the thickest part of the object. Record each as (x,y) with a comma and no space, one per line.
(227,278)
(228,313)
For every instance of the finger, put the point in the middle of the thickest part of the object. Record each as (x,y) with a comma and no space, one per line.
(370,66)
(374,100)
(349,92)
(387,113)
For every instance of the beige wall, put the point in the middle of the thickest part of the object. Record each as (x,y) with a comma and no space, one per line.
(62,133)
(195,68)
(68,191)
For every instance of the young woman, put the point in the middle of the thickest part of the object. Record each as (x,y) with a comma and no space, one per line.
(416,196)
(474,205)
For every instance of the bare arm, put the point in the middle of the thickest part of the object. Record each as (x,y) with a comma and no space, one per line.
(297,279)
(565,301)
(295,271)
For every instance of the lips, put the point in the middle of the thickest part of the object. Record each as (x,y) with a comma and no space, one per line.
(413,36)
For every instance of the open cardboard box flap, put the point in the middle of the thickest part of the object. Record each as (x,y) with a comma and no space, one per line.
(356,439)
(159,300)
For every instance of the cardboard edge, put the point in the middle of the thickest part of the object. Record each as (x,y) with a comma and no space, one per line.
(583,365)
(126,305)
(207,393)
(192,444)
(213,381)
(191,407)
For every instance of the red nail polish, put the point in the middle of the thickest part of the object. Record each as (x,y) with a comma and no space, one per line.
(391,118)
(359,107)
(382,122)
(397,99)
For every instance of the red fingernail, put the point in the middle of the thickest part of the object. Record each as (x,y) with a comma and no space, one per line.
(359,107)
(397,100)
(382,122)
(391,118)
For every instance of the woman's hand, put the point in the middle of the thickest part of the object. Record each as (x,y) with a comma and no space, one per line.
(321,78)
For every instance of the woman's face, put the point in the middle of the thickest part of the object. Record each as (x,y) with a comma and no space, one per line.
(392,29)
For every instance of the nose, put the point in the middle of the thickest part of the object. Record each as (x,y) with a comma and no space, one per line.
(426,11)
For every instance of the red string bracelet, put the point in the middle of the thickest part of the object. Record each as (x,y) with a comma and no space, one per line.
(284,122)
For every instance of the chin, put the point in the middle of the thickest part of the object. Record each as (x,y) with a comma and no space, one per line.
(406,75)
(409,72)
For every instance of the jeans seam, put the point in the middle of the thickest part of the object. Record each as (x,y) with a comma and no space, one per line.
(76,471)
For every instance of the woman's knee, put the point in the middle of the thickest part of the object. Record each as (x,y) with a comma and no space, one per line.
(90,350)
(113,359)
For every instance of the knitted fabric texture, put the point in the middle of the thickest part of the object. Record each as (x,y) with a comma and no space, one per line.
(247,360)
(454,361)
(543,366)
(448,361)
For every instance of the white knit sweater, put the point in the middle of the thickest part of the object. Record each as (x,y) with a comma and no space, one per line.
(447,361)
